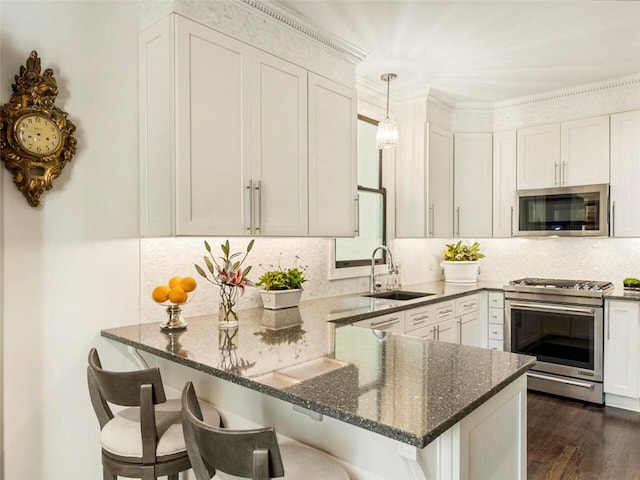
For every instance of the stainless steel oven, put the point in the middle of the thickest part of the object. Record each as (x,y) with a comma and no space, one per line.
(560,322)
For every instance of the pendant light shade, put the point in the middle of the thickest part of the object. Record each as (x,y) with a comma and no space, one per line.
(387,134)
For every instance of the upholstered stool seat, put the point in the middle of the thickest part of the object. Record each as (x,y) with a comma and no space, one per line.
(255,454)
(302,463)
(145,439)
(121,436)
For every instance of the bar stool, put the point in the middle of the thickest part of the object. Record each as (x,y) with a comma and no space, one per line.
(144,440)
(253,454)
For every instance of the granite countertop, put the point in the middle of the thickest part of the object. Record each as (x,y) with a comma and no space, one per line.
(402,387)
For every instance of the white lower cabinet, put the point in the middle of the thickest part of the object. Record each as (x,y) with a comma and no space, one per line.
(495,318)
(622,354)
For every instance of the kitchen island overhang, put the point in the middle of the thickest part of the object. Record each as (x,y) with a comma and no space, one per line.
(406,389)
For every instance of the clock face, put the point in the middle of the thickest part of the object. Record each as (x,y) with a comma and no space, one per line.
(38,134)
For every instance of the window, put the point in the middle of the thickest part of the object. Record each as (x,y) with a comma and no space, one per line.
(372,204)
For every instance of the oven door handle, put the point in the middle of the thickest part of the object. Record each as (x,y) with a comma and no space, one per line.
(561,380)
(552,308)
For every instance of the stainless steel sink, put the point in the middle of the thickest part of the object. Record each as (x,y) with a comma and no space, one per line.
(399,295)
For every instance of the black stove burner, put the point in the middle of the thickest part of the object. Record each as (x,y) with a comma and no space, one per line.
(586,285)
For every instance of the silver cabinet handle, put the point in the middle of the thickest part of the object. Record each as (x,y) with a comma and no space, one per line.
(258,191)
(511,222)
(458,218)
(613,218)
(357,207)
(432,210)
(555,173)
(467,305)
(249,188)
(385,323)
(564,173)
(444,312)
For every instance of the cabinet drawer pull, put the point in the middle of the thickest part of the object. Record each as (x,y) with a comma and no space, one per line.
(444,312)
(420,319)
(385,323)
(467,305)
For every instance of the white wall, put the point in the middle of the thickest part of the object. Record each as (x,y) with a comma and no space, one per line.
(71,267)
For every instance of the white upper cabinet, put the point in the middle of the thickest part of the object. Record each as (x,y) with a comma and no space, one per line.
(439,196)
(584,151)
(212,131)
(279,148)
(504,182)
(538,160)
(473,184)
(625,174)
(237,144)
(332,158)
(564,154)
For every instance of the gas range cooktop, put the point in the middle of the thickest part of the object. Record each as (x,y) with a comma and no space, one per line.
(554,286)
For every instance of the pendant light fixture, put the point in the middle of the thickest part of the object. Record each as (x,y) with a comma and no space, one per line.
(387,134)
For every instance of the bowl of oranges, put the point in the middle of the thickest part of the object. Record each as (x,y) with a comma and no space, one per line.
(172,296)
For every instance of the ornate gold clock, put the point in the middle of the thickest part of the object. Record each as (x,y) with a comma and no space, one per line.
(36,138)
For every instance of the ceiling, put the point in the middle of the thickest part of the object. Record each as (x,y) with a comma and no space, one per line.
(483,51)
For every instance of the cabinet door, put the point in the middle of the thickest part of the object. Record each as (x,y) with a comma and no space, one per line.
(504,182)
(584,151)
(411,186)
(439,149)
(157,154)
(468,325)
(538,158)
(213,160)
(473,184)
(279,147)
(625,174)
(621,344)
(447,331)
(332,158)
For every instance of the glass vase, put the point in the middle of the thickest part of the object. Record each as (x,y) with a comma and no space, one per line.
(227,316)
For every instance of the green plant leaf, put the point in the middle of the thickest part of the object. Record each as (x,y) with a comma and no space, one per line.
(200,271)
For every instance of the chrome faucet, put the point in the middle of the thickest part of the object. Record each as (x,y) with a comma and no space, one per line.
(392,268)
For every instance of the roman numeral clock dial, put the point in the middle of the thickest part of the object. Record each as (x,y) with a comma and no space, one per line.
(36,138)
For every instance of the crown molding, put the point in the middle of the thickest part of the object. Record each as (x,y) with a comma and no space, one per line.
(585,89)
(280,14)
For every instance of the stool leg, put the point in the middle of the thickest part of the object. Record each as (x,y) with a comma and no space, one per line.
(108,475)
(173,477)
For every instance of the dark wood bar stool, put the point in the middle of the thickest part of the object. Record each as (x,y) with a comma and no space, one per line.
(144,440)
(253,454)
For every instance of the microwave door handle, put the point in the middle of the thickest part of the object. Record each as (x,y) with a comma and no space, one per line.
(552,308)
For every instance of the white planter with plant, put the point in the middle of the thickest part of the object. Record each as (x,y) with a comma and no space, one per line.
(282,288)
(460,263)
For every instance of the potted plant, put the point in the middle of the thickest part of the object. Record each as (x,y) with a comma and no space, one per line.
(281,287)
(460,263)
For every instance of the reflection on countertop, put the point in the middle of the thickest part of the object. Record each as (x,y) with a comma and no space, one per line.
(405,388)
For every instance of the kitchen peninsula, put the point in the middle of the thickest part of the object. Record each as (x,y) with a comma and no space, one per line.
(387,405)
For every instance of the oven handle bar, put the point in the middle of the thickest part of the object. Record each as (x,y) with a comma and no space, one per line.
(559,380)
(553,308)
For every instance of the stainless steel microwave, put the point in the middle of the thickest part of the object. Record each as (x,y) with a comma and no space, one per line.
(563,211)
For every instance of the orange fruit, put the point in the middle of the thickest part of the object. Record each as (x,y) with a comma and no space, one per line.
(188,284)
(174,281)
(160,293)
(177,295)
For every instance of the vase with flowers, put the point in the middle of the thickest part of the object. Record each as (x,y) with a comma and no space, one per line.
(227,272)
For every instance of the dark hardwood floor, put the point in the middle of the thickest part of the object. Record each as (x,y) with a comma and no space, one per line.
(571,440)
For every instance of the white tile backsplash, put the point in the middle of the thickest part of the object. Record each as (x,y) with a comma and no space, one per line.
(162,258)
(609,259)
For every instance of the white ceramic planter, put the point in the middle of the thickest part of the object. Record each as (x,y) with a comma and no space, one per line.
(276,299)
(460,272)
